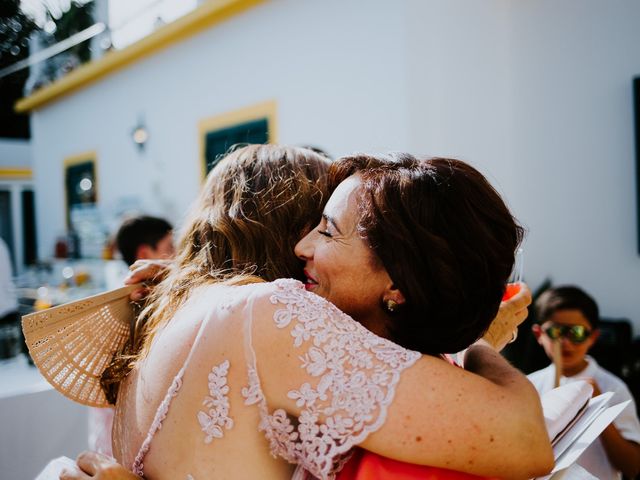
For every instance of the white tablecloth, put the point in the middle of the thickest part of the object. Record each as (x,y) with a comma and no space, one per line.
(36,422)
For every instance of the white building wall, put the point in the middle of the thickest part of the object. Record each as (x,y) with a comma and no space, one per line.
(329,75)
(459,81)
(15,153)
(536,93)
(574,186)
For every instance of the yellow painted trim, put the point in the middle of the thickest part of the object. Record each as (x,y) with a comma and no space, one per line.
(206,15)
(16,173)
(229,119)
(89,156)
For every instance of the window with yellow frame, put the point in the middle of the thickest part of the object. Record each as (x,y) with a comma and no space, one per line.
(80,183)
(251,125)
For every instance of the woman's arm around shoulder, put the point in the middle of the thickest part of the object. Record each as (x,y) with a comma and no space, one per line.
(486,421)
(325,380)
(343,383)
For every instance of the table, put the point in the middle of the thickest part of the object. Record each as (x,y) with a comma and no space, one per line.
(37,423)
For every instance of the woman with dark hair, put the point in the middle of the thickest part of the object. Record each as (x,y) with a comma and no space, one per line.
(444,236)
(225,362)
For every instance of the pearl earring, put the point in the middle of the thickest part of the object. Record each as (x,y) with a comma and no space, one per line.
(391,305)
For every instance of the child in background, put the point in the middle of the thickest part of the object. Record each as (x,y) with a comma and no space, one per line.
(570,316)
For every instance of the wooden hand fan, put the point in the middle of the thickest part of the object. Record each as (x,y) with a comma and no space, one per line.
(73,343)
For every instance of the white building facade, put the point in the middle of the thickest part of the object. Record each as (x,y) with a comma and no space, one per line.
(535,93)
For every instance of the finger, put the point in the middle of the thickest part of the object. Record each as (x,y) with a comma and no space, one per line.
(139,264)
(89,461)
(142,273)
(72,474)
(525,293)
(522,315)
(139,294)
(520,301)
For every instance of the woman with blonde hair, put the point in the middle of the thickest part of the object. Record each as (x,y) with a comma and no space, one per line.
(409,252)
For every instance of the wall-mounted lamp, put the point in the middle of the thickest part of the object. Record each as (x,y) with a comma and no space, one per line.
(140,135)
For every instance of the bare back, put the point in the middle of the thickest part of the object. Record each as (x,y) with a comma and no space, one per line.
(197,345)
(250,381)
(195,408)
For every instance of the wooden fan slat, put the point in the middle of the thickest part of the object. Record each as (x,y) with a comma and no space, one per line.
(73,343)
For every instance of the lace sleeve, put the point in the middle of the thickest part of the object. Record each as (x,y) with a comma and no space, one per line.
(339,380)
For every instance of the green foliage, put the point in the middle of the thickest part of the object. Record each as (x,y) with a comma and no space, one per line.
(15,30)
(77,18)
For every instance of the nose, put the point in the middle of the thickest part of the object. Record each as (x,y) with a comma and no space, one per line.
(566,342)
(304,248)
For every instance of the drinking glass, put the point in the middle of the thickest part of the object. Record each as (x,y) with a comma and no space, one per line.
(513,283)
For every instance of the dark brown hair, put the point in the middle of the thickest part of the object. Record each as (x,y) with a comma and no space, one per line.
(255,206)
(567,297)
(446,239)
(142,230)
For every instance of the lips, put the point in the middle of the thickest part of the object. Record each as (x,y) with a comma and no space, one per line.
(311,282)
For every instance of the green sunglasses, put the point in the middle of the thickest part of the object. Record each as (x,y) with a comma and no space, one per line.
(574,333)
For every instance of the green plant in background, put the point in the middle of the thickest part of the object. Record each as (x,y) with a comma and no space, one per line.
(16,29)
(60,25)
(78,17)
(59,21)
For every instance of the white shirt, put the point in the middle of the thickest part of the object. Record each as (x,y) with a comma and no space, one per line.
(8,300)
(594,459)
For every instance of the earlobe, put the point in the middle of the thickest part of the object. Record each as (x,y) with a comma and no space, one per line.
(537,331)
(593,338)
(394,294)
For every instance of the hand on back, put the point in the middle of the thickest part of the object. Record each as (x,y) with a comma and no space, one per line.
(147,273)
(93,465)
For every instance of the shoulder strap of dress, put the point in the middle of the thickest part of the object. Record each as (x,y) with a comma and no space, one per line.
(163,408)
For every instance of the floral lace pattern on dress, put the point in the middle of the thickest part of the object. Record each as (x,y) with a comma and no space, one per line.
(217,418)
(353,375)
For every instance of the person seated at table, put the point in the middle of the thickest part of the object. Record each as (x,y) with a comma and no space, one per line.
(567,314)
(145,237)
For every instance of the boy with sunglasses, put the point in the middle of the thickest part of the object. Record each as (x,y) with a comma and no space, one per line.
(570,316)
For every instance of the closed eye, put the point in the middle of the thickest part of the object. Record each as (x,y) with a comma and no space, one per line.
(325,233)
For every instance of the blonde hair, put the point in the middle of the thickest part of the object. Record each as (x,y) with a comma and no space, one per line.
(255,205)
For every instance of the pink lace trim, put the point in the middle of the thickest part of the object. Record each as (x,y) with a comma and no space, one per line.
(163,408)
(161,414)
(217,418)
(356,373)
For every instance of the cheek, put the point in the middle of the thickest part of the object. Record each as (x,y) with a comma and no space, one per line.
(582,349)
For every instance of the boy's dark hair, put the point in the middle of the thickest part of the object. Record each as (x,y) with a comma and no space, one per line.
(567,297)
(143,230)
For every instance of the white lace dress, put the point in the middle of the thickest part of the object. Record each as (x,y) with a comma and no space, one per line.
(343,378)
